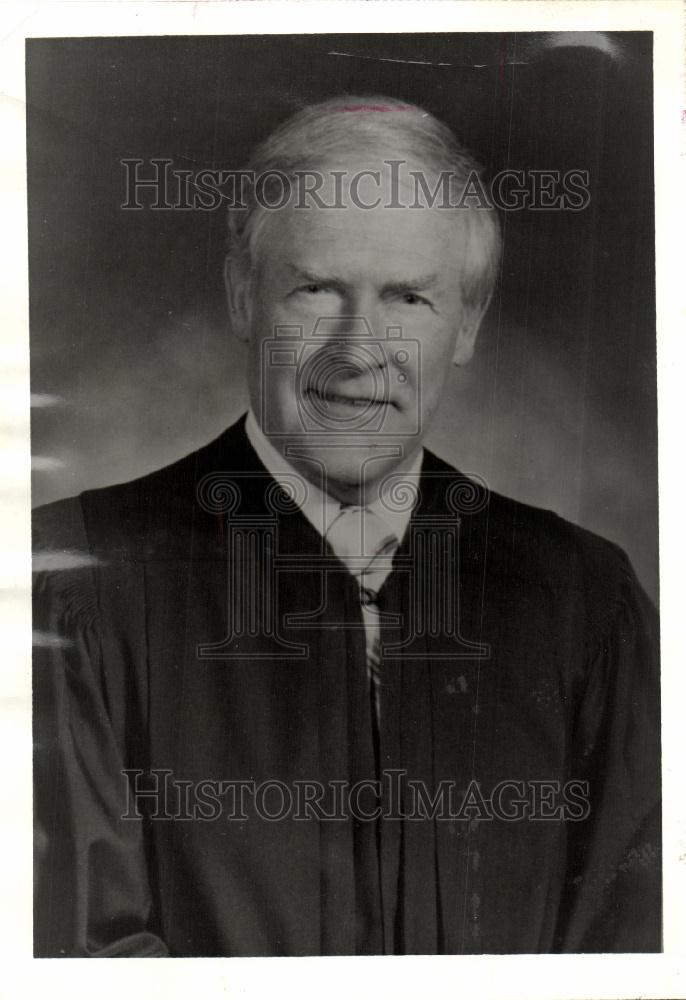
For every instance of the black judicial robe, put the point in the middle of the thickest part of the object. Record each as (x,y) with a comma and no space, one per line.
(191,627)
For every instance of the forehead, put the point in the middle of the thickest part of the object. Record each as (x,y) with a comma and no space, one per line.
(375,240)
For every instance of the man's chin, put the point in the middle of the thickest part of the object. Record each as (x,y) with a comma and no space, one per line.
(346,467)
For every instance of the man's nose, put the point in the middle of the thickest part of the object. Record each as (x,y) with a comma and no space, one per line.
(366,306)
(360,322)
(354,343)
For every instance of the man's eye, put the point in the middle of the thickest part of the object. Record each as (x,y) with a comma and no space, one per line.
(313,289)
(411,299)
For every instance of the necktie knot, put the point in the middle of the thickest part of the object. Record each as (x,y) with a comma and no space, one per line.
(364,542)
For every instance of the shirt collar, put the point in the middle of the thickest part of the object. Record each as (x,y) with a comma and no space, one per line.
(319,508)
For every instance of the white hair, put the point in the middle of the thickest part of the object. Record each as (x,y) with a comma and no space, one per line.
(383,128)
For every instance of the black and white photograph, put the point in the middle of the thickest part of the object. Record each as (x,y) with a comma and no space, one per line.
(344,439)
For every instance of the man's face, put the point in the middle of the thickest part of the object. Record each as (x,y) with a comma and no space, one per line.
(377,295)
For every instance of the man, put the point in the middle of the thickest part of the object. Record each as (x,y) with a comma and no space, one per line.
(310,690)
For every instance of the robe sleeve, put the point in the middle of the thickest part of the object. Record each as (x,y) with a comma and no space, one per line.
(614,891)
(91,891)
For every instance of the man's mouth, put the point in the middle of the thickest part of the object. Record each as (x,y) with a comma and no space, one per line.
(325,397)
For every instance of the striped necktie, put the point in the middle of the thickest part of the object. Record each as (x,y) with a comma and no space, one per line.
(363,541)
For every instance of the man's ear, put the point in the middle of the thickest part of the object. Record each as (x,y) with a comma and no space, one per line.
(470,323)
(238,284)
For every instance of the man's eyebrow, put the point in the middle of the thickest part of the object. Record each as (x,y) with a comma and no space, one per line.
(420,284)
(312,278)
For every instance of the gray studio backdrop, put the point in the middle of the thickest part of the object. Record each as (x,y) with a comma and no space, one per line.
(132,362)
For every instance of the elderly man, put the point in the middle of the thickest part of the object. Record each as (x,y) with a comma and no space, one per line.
(310,690)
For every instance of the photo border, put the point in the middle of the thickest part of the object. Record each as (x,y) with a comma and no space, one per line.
(553,977)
